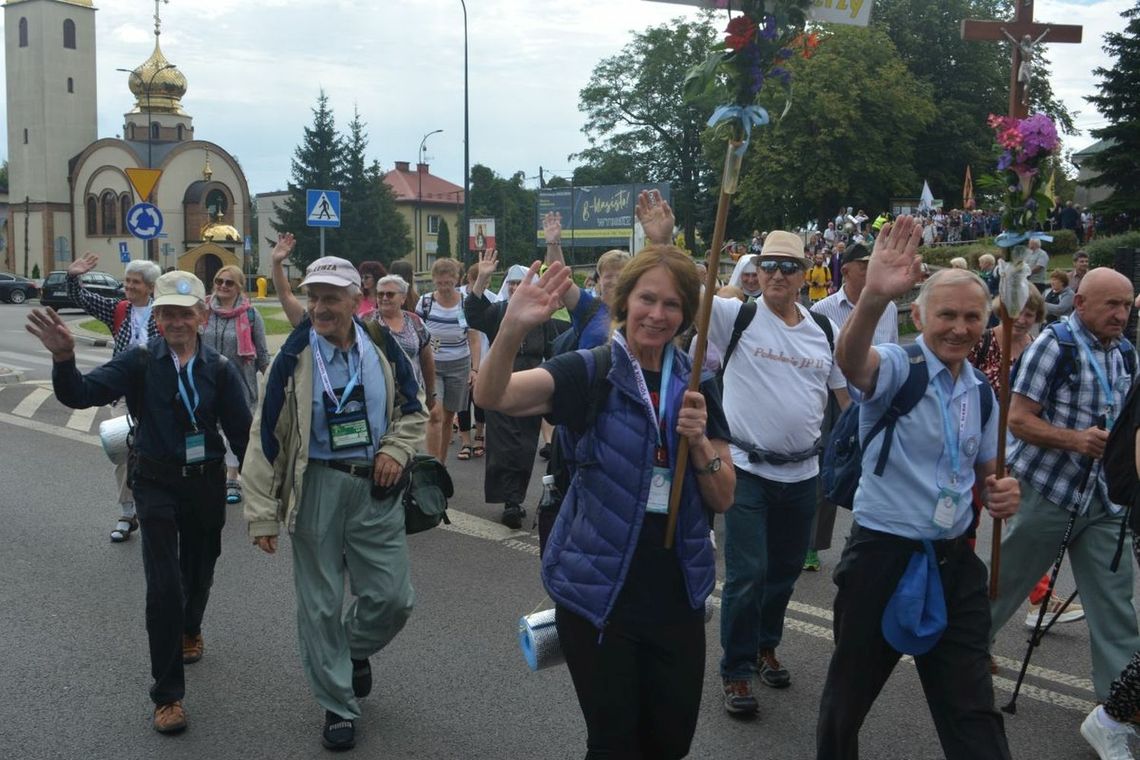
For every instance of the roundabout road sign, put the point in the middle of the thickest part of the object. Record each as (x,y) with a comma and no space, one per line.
(144,221)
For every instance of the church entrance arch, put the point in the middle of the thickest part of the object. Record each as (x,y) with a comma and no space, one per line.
(206,267)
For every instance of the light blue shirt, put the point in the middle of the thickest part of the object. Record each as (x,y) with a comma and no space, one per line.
(902,501)
(375,397)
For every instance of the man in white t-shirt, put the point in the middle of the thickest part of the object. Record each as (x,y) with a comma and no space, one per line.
(1038,262)
(775,392)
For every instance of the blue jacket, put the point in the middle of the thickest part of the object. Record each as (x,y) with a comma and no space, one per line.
(596,533)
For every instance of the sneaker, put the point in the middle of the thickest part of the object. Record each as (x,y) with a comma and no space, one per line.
(1071,614)
(738,697)
(811,561)
(170,718)
(361,678)
(772,673)
(193,647)
(1109,743)
(339,733)
(513,515)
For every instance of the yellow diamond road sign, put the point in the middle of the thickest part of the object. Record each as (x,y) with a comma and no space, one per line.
(143,180)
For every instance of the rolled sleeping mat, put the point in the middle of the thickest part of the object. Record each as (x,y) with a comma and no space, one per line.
(113,434)
(538,638)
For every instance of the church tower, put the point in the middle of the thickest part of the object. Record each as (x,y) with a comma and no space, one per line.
(49,48)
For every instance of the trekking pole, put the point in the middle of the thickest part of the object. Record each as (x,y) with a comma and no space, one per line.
(1039,633)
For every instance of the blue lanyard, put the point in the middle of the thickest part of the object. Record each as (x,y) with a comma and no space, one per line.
(663,393)
(323,372)
(1106,386)
(953,437)
(192,409)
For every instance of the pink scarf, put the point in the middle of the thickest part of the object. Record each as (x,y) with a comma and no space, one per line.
(244,334)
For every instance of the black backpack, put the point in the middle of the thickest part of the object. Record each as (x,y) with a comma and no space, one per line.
(1119,461)
(843,458)
(567,341)
(744,318)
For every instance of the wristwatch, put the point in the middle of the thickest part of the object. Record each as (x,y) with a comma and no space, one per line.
(711,468)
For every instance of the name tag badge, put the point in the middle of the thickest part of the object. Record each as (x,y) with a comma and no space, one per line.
(348,430)
(195,447)
(462,319)
(659,487)
(946,509)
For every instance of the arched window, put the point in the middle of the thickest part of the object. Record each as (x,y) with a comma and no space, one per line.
(130,131)
(92,215)
(181,130)
(70,84)
(69,34)
(216,203)
(23,32)
(124,207)
(109,205)
(154,134)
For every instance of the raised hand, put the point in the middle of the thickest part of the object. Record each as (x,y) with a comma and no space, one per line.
(52,332)
(656,217)
(895,266)
(83,264)
(552,228)
(284,247)
(534,301)
(488,263)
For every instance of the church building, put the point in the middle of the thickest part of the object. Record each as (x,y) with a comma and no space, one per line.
(69,192)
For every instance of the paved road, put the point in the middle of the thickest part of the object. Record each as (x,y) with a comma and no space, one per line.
(453,685)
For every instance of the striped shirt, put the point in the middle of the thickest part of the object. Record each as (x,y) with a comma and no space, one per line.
(839,308)
(448,328)
(1074,405)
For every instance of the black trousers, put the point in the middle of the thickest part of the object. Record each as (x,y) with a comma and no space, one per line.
(955,673)
(639,687)
(511,446)
(181,522)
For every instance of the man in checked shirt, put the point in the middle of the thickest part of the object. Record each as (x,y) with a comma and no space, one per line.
(1060,394)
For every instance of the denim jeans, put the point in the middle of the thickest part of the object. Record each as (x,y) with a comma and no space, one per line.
(767,532)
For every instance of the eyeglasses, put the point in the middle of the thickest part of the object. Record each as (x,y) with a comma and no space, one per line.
(382,294)
(222,282)
(787,268)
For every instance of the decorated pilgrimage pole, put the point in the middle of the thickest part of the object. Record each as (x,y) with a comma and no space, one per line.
(1025,141)
(757,43)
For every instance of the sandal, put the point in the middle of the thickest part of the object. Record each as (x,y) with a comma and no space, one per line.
(464,452)
(233,491)
(123,529)
(479,450)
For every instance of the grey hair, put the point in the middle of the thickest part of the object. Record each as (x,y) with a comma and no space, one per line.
(394,279)
(148,270)
(952,276)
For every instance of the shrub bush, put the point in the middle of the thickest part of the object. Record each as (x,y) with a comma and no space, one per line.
(940,256)
(1064,243)
(1102,250)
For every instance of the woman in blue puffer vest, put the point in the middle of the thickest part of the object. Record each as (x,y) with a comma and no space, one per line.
(629,612)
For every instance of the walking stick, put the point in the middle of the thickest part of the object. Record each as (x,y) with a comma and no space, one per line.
(1003,424)
(732,158)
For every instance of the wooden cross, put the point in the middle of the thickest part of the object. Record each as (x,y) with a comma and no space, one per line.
(1026,34)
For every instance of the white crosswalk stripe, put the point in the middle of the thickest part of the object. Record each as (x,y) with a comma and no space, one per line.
(30,403)
(16,360)
(81,419)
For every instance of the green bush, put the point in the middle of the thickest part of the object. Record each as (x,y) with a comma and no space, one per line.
(1064,243)
(940,256)
(1102,250)
(36,272)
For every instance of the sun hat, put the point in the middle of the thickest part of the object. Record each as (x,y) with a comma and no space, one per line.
(178,288)
(781,243)
(915,616)
(331,270)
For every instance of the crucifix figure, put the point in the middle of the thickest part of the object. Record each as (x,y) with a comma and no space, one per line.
(1026,35)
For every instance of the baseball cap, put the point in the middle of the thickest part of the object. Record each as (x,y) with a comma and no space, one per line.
(856,252)
(915,616)
(178,289)
(781,243)
(331,270)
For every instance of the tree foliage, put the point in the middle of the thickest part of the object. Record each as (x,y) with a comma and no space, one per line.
(443,240)
(1118,164)
(4,174)
(513,207)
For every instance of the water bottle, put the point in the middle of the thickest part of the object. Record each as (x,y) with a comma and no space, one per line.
(549,498)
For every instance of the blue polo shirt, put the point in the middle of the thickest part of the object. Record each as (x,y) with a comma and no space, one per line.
(375,396)
(902,501)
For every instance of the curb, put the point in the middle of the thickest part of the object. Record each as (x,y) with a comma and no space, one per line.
(88,337)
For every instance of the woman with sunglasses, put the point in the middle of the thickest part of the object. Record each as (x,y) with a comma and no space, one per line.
(408,330)
(236,331)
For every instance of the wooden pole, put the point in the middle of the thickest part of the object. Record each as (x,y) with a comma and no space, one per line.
(731,165)
(1003,424)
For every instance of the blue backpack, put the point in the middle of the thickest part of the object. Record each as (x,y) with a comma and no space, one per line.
(843,458)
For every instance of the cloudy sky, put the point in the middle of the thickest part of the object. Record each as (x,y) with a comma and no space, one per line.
(255,69)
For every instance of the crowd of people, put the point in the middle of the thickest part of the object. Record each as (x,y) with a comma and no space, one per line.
(374,371)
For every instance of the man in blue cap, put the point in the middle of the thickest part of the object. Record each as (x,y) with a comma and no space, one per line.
(907,566)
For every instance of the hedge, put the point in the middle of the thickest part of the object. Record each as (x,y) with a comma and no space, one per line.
(1102,250)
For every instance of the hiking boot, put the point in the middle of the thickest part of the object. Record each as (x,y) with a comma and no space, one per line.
(738,697)
(772,673)
(193,647)
(513,515)
(1072,613)
(1109,743)
(339,733)
(361,678)
(811,561)
(170,718)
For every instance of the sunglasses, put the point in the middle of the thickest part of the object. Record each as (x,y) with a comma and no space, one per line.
(787,268)
(222,282)
(382,294)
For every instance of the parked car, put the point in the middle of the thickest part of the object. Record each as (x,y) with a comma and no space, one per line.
(54,292)
(16,289)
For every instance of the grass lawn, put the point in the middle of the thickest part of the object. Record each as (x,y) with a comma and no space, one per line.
(274,318)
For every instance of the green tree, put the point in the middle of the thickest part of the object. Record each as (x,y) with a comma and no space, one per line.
(513,207)
(443,240)
(1118,165)
(636,117)
(371,228)
(840,140)
(317,164)
(4,174)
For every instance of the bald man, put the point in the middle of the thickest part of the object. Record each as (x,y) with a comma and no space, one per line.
(1074,376)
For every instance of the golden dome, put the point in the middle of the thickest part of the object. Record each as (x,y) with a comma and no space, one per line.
(217,231)
(167,85)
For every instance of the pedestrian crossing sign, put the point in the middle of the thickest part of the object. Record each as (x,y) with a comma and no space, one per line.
(322,208)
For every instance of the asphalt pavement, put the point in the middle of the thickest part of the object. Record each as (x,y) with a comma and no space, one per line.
(74,666)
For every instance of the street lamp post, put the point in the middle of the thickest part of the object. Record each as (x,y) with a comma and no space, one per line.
(466,143)
(420,194)
(149,129)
